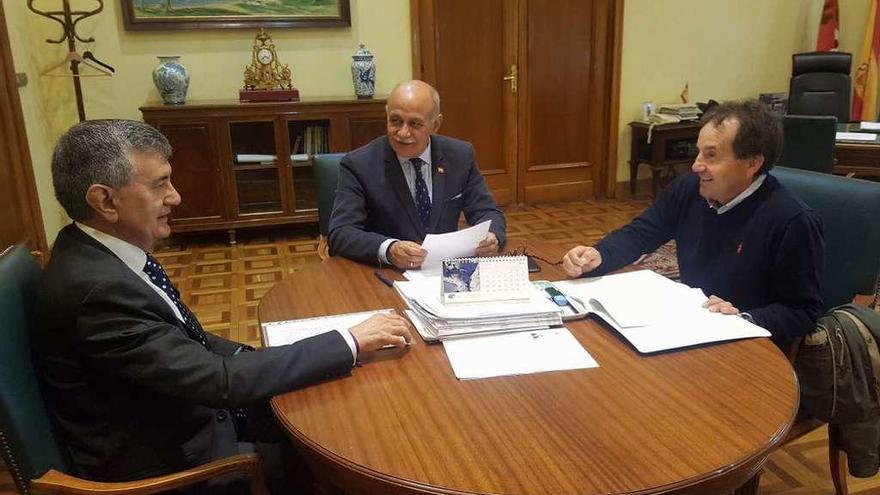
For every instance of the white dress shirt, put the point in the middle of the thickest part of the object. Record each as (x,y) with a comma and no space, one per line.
(135,258)
(410,175)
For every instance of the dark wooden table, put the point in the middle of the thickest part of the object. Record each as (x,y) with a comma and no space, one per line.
(660,154)
(699,421)
(861,159)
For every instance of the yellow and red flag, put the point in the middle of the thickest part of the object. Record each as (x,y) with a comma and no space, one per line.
(828,27)
(865,83)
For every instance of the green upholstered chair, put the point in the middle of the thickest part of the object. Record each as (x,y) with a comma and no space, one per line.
(33,454)
(326,173)
(848,208)
(808,142)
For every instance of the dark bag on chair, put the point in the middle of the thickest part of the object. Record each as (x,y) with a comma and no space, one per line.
(838,367)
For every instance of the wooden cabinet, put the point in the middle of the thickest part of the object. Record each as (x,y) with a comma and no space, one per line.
(661,148)
(249,164)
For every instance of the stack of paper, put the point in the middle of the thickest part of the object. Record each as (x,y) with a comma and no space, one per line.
(654,313)
(437,321)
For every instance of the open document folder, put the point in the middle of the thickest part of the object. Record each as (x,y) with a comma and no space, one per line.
(654,313)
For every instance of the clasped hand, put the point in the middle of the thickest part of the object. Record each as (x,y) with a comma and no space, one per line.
(580,260)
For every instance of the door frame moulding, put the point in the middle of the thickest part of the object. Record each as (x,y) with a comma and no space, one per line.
(13,137)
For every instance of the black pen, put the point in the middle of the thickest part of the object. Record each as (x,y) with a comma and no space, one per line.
(385,280)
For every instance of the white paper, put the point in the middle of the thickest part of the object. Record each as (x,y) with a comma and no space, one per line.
(855,136)
(518,353)
(461,243)
(654,313)
(253,158)
(870,126)
(291,331)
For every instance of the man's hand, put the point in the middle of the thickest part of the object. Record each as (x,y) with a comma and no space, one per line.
(717,305)
(406,254)
(580,260)
(488,246)
(381,330)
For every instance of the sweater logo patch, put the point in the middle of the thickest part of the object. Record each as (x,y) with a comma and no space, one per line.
(739,249)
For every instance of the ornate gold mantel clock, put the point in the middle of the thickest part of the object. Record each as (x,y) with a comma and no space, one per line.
(265,79)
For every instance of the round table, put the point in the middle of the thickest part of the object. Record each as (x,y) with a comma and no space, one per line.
(700,420)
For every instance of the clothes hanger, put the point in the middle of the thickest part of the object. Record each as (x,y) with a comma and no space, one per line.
(88,55)
(74,57)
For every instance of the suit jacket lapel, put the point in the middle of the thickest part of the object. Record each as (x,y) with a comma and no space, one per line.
(438,187)
(394,175)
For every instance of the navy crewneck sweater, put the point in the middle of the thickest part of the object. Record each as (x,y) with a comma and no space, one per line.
(764,255)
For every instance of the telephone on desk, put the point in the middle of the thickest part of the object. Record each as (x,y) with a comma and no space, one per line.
(663,118)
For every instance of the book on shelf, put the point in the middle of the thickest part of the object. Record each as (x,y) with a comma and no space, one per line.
(499,278)
(654,313)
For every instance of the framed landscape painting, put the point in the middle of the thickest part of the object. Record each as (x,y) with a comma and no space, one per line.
(212,14)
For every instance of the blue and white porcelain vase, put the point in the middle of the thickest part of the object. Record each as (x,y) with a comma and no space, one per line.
(363,73)
(171,79)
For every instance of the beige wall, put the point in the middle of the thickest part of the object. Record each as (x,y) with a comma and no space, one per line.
(724,50)
(320,59)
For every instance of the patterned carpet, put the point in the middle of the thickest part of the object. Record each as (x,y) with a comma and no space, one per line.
(223,285)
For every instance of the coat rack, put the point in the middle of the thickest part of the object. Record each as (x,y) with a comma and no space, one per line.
(69,19)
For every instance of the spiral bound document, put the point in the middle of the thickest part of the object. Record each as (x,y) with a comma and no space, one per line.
(500,278)
(291,331)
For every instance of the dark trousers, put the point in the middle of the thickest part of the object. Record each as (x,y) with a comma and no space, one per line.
(283,469)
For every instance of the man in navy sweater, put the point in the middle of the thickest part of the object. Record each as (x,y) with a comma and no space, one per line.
(741,236)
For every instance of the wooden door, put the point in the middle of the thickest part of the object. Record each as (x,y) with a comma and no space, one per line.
(22,221)
(466,49)
(547,137)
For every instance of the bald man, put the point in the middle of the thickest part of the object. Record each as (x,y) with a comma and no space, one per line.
(409,183)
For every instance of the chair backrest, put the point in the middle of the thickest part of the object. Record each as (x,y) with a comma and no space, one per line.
(28,444)
(820,84)
(326,174)
(808,142)
(848,209)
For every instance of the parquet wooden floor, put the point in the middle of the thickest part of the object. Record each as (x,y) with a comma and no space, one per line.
(223,284)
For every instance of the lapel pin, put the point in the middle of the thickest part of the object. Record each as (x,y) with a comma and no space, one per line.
(440,169)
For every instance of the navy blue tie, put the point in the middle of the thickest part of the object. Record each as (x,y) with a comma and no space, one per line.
(423,200)
(160,279)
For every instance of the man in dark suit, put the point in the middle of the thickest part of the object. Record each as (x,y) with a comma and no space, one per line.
(138,388)
(409,183)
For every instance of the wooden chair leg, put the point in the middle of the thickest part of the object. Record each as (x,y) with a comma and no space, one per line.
(750,487)
(837,463)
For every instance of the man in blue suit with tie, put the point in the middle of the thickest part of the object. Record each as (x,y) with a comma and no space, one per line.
(409,183)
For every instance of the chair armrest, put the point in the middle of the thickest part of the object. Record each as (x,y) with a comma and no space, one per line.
(55,482)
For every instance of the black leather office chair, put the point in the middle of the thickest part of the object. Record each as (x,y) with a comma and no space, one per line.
(848,209)
(808,142)
(820,84)
(326,169)
(34,455)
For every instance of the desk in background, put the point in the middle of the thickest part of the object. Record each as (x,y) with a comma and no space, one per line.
(700,421)
(860,158)
(668,148)
(671,145)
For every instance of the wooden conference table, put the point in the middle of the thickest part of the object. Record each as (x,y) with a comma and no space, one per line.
(699,421)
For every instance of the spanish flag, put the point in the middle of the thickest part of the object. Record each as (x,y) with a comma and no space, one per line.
(826,41)
(866,80)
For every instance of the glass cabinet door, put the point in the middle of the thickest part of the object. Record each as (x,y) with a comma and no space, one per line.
(307,138)
(255,165)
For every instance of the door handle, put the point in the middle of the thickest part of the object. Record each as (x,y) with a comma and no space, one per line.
(511,78)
